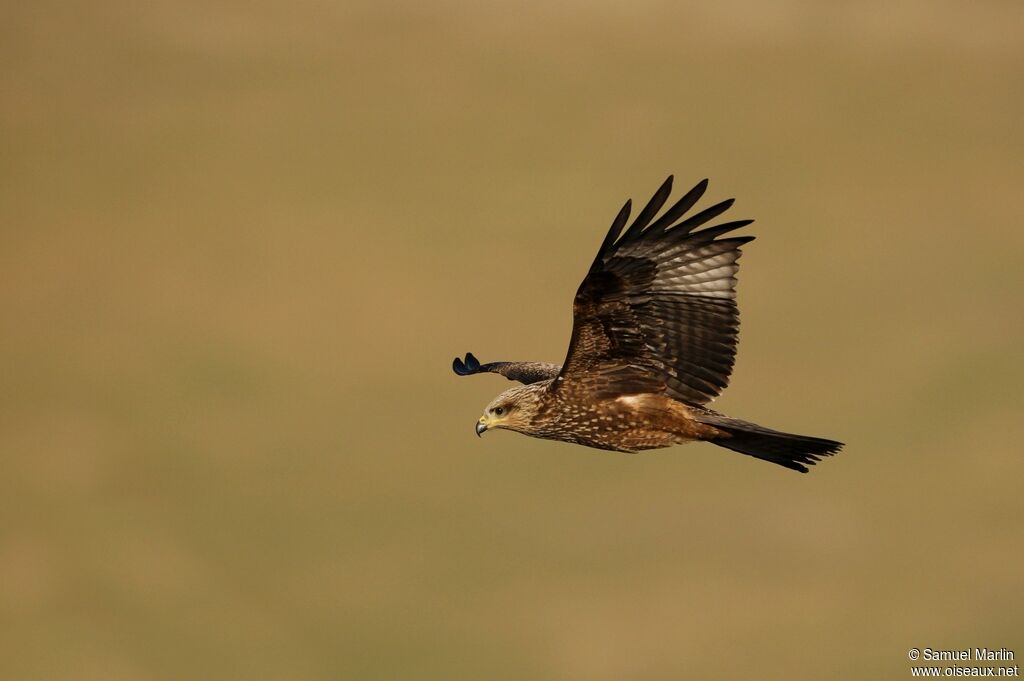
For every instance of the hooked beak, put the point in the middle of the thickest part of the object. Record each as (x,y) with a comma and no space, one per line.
(481,426)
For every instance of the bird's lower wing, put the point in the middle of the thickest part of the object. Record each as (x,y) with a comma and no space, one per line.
(524,372)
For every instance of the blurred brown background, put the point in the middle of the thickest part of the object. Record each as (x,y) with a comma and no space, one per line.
(241,243)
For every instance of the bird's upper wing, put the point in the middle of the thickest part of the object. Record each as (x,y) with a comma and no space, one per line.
(657,310)
(524,372)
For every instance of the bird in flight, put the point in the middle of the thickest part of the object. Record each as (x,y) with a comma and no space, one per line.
(654,333)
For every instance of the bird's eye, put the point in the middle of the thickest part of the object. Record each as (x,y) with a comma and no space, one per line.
(499,410)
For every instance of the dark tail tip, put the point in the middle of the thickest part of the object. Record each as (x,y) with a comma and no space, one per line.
(465,368)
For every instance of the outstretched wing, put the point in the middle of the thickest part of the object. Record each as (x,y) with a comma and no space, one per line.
(657,310)
(524,372)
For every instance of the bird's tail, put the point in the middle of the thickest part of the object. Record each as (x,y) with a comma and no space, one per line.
(795,452)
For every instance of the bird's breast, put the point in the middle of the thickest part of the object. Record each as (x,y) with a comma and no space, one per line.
(624,423)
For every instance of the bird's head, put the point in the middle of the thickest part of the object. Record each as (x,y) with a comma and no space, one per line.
(513,409)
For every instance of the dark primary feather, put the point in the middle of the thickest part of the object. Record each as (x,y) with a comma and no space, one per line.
(524,372)
(617,224)
(649,211)
(657,310)
(680,207)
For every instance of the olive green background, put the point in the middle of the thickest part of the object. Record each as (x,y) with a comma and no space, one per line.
(241,243)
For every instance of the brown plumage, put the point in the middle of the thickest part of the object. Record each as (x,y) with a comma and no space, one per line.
(654,335)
